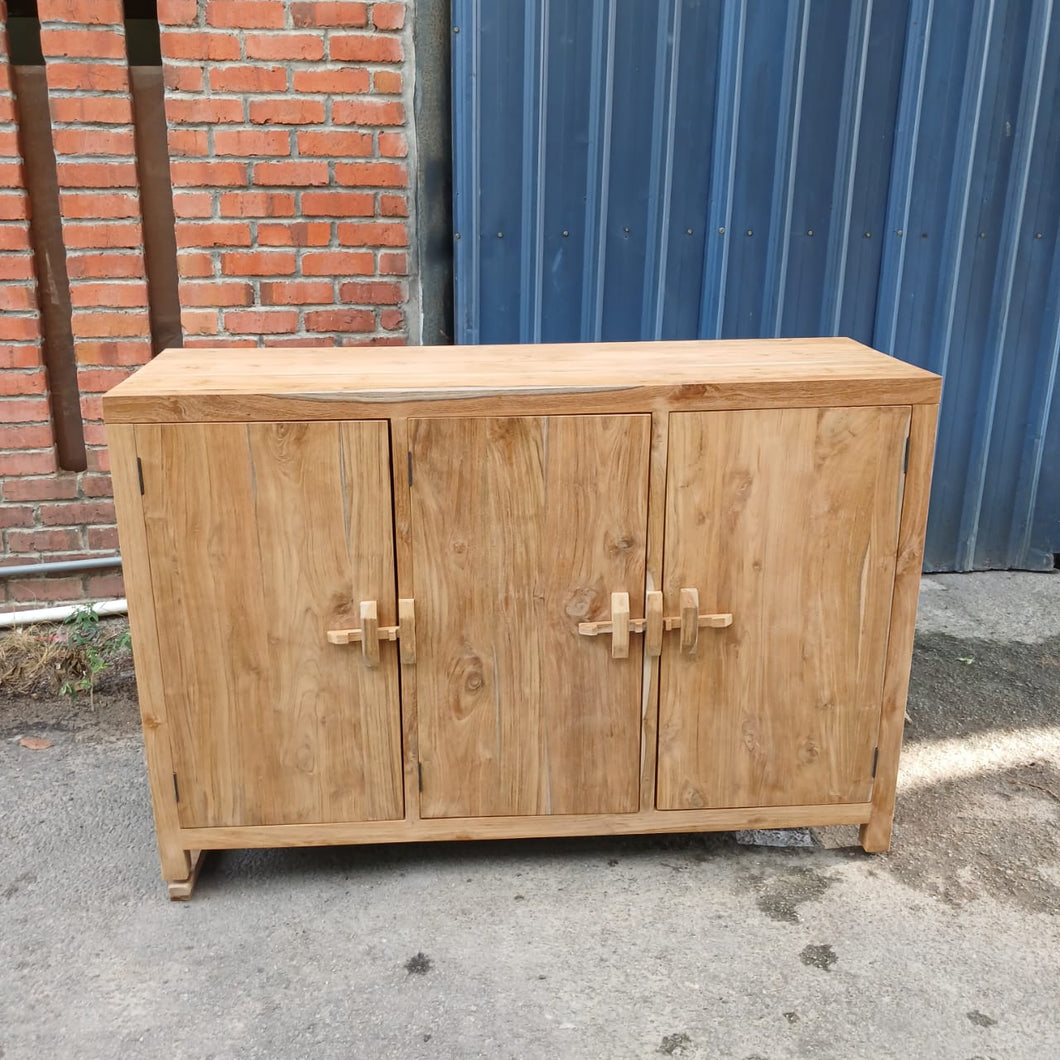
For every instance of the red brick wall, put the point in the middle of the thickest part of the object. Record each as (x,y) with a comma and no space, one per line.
(88,84)
(288,159)
(44,512)
(26,455)
(22,387)
(52,514)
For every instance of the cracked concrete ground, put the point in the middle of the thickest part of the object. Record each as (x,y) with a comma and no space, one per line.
(691,946)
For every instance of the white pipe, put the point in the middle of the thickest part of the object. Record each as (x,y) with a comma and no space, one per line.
(60,614)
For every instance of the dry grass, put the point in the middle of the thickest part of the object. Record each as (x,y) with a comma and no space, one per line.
(44,660)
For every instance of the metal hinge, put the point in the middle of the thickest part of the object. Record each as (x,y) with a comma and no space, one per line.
(419,766)
(410,468)
(875,760)
(176,787)
(140,474)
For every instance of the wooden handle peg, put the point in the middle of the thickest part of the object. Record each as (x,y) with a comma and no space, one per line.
(407,631)
(653,622)
(370,633)
(689,620)
(620,625)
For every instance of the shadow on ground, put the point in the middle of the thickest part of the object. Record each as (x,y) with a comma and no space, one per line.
(992,829)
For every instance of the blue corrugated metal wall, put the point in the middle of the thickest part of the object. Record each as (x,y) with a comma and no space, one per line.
(886,170)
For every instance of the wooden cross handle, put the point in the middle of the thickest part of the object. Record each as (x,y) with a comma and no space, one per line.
(621,625)
(691,621)
(370,633)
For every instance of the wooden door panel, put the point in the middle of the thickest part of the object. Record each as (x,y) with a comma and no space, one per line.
(788,519)
(522,528)
(263,536)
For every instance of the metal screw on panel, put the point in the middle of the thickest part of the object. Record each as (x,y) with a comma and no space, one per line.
(689,231)
(1037,235)
(456,29)
(898,232)
(982,235)
(565,233)
(749,232)
(721,231)
(456,235)
(868,235)
(809,231)
(626,230)
(500,235)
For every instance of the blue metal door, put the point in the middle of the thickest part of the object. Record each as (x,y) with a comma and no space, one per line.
(636,169)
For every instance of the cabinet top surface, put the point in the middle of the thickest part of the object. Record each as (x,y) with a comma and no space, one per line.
(187,385)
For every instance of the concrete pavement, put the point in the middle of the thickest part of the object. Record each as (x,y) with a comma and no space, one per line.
(949,947)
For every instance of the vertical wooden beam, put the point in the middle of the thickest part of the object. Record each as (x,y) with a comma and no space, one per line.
(136,565)
(156,206)
(403,471)
(875,834)
(30,87)
(653,581)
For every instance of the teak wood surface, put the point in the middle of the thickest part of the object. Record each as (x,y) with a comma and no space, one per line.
(526,532)
(509,492)
(782,706)
(192,386)
(271,533)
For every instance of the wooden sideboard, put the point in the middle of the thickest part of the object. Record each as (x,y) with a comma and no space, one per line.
(389,594)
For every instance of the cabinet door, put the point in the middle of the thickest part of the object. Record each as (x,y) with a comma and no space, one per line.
(262,537)
(788,519)
(522,528)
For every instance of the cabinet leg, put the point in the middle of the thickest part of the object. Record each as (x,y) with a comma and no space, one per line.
(176,862)
(180,889)
(875,834)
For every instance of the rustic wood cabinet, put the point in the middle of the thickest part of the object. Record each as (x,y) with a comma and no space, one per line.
(407,594)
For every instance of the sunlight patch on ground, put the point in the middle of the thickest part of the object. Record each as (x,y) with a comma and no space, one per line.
(942,761)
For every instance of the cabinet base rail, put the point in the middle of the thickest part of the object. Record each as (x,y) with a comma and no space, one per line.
(235,837)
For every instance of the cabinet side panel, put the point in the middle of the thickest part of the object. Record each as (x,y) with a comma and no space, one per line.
(268,535)
(876,834)
(787,519)
(136,567)
(522,528)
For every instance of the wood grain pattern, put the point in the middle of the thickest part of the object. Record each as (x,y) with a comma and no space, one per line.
(529,827)
(788,520)
(136,566)
(876,833)
(265,536)
(600,401)
(199,385)
(521,529)
(400,468)
(649,706)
